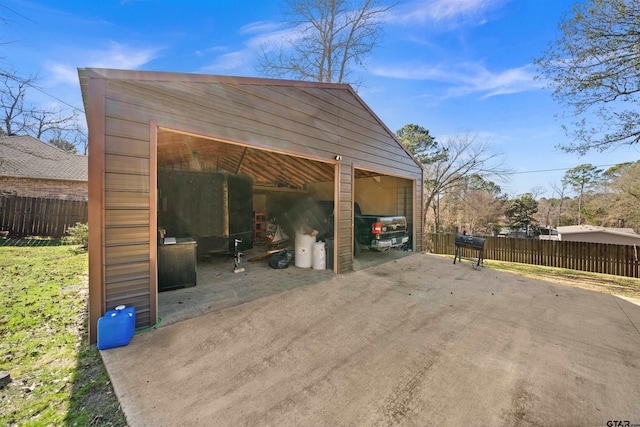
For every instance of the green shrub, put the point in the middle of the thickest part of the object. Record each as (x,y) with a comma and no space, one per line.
(78,235)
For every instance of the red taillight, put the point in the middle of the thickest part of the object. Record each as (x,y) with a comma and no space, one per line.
(376,228)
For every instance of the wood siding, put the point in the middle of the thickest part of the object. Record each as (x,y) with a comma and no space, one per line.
(241,116)
(308,120)
(127,217)
(344,206)
(418,224)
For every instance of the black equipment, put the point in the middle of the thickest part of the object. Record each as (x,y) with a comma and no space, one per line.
(237,256)
(475,243)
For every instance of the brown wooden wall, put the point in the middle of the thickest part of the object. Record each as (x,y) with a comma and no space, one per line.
(344,241)
(125,109)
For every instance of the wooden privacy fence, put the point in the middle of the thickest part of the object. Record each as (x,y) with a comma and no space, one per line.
(30,216)
(621,260)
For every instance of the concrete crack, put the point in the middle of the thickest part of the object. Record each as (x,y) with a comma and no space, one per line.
(627,316)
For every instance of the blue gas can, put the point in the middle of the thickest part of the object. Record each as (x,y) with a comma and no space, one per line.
(116,327)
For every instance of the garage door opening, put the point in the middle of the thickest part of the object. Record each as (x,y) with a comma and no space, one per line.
(383,218)
(213,195)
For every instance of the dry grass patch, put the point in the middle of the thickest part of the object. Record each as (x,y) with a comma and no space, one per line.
(605,283)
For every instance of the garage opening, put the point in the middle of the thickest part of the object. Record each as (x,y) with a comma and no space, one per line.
(215,198)
(383,218)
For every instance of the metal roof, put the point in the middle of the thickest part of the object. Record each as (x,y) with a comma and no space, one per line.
(583,228)
(23,156)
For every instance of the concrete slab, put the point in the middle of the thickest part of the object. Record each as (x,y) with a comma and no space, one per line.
(417,341)
(219,287)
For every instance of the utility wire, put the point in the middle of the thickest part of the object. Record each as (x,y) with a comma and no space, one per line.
(39,89)
(80,110)
(554,170)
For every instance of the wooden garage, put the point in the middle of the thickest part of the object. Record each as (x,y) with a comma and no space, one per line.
(285,136)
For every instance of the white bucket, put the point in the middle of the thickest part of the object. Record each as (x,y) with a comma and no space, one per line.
(319,256)
(303,255)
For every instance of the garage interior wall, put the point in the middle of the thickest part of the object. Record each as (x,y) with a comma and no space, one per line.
(127,110)
(382,195)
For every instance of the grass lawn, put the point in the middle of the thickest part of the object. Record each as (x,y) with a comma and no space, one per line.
(57,377)
(605,283)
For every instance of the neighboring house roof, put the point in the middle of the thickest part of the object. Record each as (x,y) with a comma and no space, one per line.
(28,157)
(581,229)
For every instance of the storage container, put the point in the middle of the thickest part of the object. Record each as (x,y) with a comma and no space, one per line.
(116,327)
(319,256)
(329,252)
(304,243)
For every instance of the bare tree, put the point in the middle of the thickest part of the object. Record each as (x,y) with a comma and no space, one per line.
(482,209)
(545,211)
(466,155)
(12,103)
(627,179)
(625,208)
(560,190)
(537,191)
(49,120)
(593,68)
(18,116)
(327,37)
(72,134)
(475,204)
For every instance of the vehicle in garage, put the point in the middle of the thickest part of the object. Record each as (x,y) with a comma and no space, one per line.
(379,233)
(375,232)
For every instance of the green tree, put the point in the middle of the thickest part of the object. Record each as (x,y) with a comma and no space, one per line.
(581,179)
(64,145)
(520,211)
(327,37)
(476,182)
(420,143)
(593,68)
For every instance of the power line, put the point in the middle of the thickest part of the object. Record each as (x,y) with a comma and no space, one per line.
(56,98)
(3,6)
(27,82)
(555,170)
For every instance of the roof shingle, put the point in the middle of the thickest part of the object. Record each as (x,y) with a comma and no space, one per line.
(28,157)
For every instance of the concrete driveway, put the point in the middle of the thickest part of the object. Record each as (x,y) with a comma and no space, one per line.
(416,341)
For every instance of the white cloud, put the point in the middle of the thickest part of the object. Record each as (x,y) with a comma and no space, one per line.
(65,74)
(260,27)
(450,12)
(413,72)
(481,80)
(467,78)
(273,38)
(265,35)
(204,52)
(122,56)
(230,61)
(117,55)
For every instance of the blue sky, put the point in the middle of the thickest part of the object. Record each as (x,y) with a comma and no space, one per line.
(451,66)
